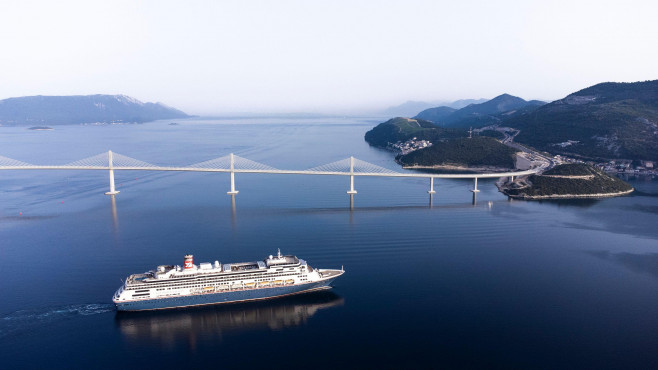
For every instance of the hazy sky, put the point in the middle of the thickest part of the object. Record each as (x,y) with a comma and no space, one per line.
(329,56)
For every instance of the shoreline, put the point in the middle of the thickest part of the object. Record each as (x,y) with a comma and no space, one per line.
(567,196)
(458,168)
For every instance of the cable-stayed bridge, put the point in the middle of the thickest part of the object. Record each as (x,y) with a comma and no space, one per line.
(234,164)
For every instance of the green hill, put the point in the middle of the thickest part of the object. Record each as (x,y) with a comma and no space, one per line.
(608,120)
(403,129)
(478,151)
(568,181)
(435,115)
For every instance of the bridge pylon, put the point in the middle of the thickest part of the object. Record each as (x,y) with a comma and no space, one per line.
(351,191)
(233,191)
(112,191)
(475,187)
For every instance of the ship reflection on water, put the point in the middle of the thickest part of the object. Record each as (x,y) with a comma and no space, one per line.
(170,327)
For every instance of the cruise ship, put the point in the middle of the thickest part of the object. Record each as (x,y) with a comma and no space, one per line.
(171,286)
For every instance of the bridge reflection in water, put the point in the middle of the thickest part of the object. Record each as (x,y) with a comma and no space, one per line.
(171,327)
(234,164)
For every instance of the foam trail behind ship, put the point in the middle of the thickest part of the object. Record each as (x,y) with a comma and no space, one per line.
(23,320)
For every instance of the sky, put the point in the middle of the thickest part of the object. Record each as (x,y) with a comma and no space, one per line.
(222,57)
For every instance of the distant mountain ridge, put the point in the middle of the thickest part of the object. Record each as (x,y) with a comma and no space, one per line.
(74,109)
(412,107)
(481,114)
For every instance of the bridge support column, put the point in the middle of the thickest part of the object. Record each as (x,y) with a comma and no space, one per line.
(351,191)
(511,179)
(233,191)
(475,187)
(431,191)
(112,191)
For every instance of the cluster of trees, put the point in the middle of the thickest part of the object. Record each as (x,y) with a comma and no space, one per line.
(572,169)
(478,151)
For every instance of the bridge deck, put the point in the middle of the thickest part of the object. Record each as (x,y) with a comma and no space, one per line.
(282,172)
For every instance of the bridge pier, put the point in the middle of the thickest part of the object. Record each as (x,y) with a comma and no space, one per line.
(351,192)
(511,179)
(475,188)
(233,191)
(112,191)
(431,191)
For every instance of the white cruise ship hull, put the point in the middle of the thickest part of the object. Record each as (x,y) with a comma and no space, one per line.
(239,295)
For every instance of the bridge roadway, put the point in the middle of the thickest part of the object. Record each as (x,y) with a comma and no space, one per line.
(231,161)
(282,172)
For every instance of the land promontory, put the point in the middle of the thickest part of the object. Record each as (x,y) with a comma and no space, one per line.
(567,181)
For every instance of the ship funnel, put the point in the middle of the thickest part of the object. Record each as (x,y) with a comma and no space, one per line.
(189,262)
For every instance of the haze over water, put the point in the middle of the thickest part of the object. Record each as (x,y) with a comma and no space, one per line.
(496,284)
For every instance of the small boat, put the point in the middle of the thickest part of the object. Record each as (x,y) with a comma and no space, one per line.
(290,281)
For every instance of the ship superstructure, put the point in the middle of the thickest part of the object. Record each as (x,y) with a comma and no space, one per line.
(170,286)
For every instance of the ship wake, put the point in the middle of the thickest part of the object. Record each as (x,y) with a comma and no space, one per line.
(20,321)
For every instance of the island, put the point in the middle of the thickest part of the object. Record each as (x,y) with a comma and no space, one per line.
(566,181)
(40,128)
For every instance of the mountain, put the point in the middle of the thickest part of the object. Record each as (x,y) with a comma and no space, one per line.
(604,121)
(403,129)
(437,114)
(489,112)
(480,114)
(58,110)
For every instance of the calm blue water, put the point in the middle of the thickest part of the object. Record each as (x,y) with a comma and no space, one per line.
(499,284)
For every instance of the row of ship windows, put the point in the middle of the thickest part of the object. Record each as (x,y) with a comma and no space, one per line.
(211,279)
(247,276)
(215,283)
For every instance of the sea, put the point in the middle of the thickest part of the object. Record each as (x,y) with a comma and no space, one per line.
(446,282)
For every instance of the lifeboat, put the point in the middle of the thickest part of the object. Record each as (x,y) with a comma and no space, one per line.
(221,288)
(278,282)
(264,283)
(208,289)
(290,281)
(250,285)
